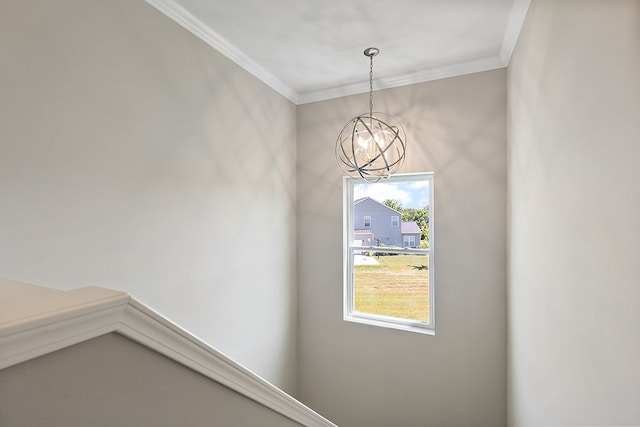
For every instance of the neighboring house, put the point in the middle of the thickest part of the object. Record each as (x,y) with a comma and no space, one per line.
(376,223)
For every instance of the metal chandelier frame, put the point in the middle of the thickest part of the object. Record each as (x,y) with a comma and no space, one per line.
(369,147)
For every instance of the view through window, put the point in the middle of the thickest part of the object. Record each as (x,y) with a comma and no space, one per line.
(388,273)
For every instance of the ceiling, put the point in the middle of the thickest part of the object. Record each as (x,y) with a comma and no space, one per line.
(313,50)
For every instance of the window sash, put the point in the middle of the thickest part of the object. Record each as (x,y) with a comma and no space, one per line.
(349,248)
(379,319)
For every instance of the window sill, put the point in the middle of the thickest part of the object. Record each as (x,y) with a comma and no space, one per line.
(391,323)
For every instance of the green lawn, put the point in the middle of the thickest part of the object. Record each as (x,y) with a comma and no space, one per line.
(398,287)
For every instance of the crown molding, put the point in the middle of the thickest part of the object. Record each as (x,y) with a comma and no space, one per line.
(188,21)
(514,26)
(80,316)
(460,69)
(192,24)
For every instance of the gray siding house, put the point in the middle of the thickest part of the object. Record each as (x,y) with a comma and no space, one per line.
(376,223)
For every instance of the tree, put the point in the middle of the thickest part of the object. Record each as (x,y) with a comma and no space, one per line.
(421,217)
(394,204)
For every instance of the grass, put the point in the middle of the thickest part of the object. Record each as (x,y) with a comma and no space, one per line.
(398,287)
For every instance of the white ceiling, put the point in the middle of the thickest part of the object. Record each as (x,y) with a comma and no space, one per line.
(312,50)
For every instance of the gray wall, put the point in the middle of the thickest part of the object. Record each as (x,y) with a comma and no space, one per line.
(365,376)
(135,157)
(112,381)
(574,294)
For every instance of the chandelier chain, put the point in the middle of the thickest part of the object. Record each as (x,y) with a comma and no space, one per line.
(371,85)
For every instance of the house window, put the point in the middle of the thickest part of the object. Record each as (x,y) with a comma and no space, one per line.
(409,241)
(389,281)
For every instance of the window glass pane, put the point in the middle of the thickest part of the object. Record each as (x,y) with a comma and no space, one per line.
(395,285)
(375,213)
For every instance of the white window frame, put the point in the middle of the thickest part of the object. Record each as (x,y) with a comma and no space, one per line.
(397,223)
(349,248)
(366,217)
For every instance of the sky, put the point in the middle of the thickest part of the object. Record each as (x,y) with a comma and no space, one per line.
(410,194)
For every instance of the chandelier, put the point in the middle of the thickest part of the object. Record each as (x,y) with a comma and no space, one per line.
(371,147)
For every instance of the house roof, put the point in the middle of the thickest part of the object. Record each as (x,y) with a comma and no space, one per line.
(357,201)
(409,227)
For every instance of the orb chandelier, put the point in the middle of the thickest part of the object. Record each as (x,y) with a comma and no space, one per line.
(371,147)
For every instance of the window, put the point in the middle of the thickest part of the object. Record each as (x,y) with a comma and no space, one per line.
(388,277)
(409,241)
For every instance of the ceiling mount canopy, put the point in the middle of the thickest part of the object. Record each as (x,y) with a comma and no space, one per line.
(371,147)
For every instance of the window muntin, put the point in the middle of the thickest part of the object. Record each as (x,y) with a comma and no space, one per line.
(367,221)
(395,221)
(388,278)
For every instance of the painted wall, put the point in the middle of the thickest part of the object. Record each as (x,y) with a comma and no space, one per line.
(574,294)
(364,376)
(135,157)
(112,381)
